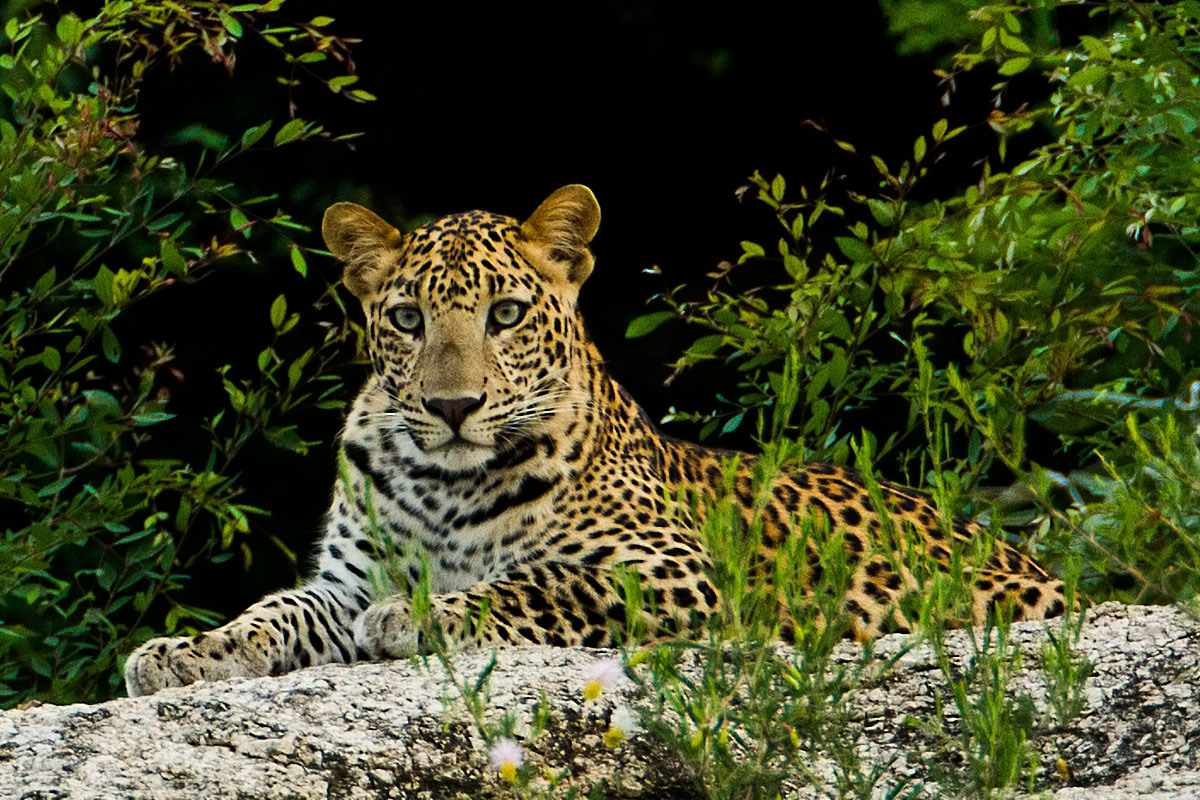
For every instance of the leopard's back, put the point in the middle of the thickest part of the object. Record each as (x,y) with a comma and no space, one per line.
(892,544)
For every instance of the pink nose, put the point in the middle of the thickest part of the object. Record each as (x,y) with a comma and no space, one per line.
(454,410)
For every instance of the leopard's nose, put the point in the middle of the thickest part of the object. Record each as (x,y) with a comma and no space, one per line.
(454,410)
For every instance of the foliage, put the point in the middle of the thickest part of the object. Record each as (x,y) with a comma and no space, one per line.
(994,728)
(758,715)
(1036,324)
(748,716)
(92,223)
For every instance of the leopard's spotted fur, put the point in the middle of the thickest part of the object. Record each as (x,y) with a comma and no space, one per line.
(490,436)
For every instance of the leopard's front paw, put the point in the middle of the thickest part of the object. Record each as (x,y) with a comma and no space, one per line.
(166,662)
(387,630)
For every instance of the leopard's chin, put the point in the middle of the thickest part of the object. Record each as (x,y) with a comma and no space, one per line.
(459,454)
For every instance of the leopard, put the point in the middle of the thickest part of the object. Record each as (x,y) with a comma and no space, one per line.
(491,459)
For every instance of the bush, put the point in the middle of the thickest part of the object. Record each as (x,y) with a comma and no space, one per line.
(1034,328)
(92,222)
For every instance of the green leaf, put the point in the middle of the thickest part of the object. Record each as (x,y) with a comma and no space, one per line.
(237,398)
(198,134)
(1097,50)
(102,285)
(231,24)
(165,221)
(286,437)
(295,372)
(68,29)
(919,150)
(733,423)
(172,260)
(794,266)
(833,322)
(252,135)
(110,345)
(881,211)
(289,132)
(239,222)
(278,311)
(298,262)
(707,345)
(854,249)
(56,487)
(51,359)
(102,404)
(640,326)
(1088,76)
(106,576)
(1014,65)
(751,250)
(151,418)
(341,82)
(1012,42)
(777,188)
(45,283)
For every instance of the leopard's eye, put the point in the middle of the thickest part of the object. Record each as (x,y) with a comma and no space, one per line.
(507,313)
(406,318)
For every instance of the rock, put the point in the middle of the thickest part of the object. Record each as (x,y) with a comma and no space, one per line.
(396,730)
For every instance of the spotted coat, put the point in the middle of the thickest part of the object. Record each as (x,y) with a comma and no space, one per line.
(490,442)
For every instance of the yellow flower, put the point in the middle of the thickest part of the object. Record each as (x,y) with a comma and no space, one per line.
(507,757)
(613,737)
(607,673)
(621,726)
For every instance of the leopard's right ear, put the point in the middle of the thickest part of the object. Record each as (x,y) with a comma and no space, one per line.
(364,242)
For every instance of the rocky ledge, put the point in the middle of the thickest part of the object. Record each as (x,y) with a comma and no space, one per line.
(394,730)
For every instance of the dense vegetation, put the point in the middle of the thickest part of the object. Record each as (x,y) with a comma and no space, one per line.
(92,223)
(1036,327)
(1029,306)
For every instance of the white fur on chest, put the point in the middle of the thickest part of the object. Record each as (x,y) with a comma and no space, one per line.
(471,525)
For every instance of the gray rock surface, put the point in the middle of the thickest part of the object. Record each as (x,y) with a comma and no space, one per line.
(396,729)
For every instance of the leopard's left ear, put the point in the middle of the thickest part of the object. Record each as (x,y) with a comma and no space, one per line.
(559,231)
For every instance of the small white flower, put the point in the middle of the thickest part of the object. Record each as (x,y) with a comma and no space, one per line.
(606,673)
(507,757)
(624,719)
(622,725)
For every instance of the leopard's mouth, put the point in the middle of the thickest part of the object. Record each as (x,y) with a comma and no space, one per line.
(459,444)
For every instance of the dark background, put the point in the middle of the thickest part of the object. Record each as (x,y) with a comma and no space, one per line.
(663,109)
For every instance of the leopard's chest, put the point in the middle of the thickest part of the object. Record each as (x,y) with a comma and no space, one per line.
(469,527)
(530,502)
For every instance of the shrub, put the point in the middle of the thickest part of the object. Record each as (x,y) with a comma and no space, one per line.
(92,223)
(1034,327)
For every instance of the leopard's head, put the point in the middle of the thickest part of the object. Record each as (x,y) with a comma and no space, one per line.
(472,323)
